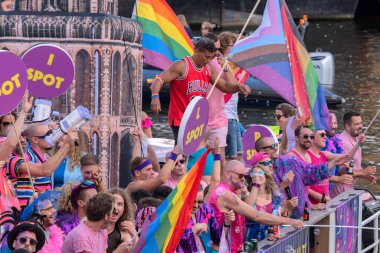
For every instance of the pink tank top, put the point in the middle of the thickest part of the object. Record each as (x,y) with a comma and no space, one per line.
(322,186)
(237,227)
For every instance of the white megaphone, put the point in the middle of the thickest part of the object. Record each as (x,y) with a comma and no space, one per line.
(42,111)
(74,120)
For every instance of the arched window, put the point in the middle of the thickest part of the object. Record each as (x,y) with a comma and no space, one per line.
(82,79)
(98,83)
(115,84)
(129,74)
(95,144)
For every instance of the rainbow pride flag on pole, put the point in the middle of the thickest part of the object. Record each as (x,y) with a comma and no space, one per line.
(164,228)
(276,55)
(164,39)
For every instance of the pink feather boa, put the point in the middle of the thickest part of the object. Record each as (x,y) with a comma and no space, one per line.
(55,242)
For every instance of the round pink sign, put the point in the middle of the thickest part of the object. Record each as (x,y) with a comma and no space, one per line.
(253,133)
(193,126)
(50,70)
(13,81)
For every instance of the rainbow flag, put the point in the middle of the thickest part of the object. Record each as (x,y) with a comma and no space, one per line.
(164,39)
(164,228)
(276,54)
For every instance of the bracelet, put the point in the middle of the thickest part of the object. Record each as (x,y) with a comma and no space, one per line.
(172,156)
(226,225)
(155,96)
(256,185)
(217,157)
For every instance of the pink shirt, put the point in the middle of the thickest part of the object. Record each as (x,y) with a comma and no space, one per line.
(237,226)
(216,116)
(322,186)
(348,144)
(82,238)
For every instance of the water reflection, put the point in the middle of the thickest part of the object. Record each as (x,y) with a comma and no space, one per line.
(356,48)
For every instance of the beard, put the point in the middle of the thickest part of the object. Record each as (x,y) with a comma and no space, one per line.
(305,145)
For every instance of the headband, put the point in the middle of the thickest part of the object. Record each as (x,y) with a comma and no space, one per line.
(141,166)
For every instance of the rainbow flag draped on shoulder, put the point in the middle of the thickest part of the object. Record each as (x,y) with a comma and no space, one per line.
(276,55)
(164,39)
(164,228)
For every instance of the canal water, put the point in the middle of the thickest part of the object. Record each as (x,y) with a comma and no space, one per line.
(356,48)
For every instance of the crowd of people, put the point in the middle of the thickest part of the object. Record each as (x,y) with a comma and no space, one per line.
(66,207)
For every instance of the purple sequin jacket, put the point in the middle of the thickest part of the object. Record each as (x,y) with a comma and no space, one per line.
(205,214)
(304,175)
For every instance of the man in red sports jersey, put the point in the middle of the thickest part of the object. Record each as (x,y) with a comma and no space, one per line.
(190,77)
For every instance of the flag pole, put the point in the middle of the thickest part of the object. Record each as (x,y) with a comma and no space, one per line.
(238,38)
(356,146)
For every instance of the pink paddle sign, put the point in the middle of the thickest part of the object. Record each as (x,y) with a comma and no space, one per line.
(193,125)
(253,133)
(13,81)
(50,70)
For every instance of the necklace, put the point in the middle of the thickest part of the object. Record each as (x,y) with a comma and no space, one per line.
(266,196)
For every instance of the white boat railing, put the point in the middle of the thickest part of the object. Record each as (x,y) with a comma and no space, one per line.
(375,219)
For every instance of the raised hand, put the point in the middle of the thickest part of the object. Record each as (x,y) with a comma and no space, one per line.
(27,102)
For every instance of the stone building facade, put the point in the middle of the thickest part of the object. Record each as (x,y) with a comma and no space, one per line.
(106,50)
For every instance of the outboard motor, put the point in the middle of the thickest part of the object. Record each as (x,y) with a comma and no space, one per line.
(324,66)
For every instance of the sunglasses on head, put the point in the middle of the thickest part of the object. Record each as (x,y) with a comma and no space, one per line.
(272,146)
(306,136)
(182,161)
(278,116)
(260,173)
(43,136)
(266,163)
(32,241)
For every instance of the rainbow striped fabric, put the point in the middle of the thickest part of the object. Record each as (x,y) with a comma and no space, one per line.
(164,228)
(276,54)
(164,39)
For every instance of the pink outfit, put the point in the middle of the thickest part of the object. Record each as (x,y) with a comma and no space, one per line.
(171,182)
(82,238)
(237,227)
(146,123)
(322,186)
(55,241)
(217,117)
(348,144)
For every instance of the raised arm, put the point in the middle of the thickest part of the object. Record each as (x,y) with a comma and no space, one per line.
(177,69)
(11,141)
(215,175)
(46,169)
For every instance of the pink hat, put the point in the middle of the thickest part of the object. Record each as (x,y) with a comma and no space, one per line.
(258,157)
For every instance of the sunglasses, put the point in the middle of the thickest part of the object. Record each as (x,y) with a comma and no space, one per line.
(241,176)
(6,123)
(50,208)
(199,202)
(278,116)
(32,241)
(306,136)
(266,163)
(323,135)
(182,161)
(260,173)
(43,136)
(272,146)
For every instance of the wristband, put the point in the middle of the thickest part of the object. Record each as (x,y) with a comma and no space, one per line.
(155,96)
(217,157)
(256,185)
(172,156)
(226,225)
